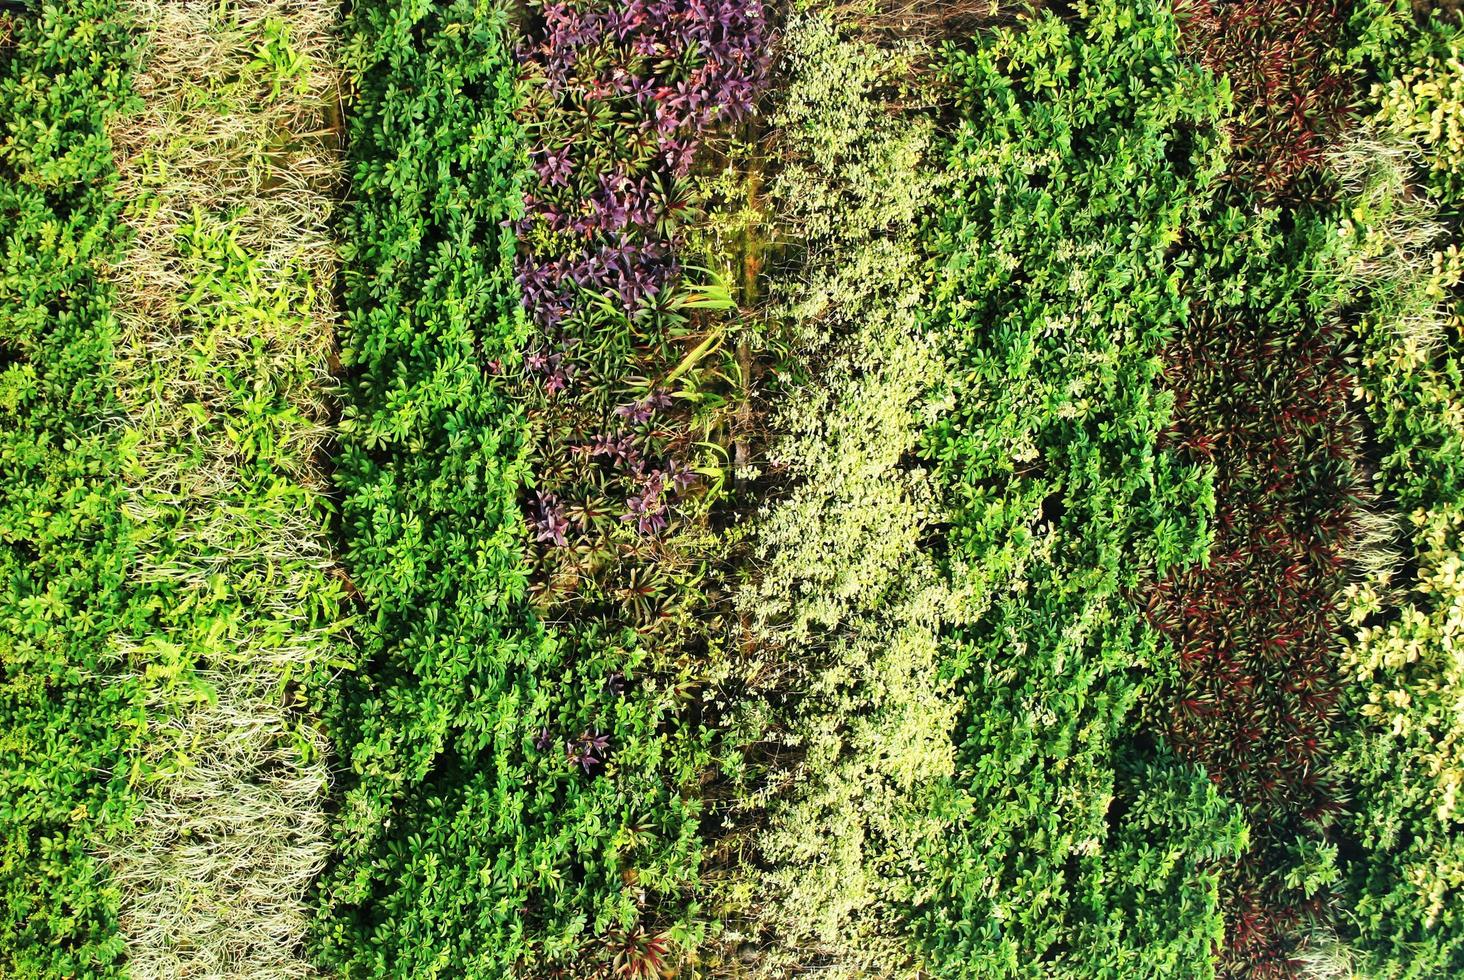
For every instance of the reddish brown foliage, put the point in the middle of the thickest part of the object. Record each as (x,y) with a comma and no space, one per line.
(1256,631)
(639,955)
(1260,933)
(1292,90)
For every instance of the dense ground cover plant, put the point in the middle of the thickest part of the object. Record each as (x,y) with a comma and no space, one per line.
(69,719)
(224,301)
(840,617)
(1286,64)
(1264,381)
(1419,103)
(634,389)
(989,515)
(1397,256)
(1079,153)
(517,802)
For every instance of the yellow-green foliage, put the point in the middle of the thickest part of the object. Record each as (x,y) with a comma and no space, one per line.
(1408,754)
(1417,713)
(851,194)
(224,301)
(847,605)
(1406,750)
(1424,103)
(67,717)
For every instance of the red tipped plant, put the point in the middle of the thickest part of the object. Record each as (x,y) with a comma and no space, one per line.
(1260,936)
(639,955)
(1292,90)
(1257,630)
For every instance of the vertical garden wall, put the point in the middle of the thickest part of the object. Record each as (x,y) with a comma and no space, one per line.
(690,488)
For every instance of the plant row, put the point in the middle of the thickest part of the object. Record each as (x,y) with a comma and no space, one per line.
(527,486)
(70,720)
(225,305)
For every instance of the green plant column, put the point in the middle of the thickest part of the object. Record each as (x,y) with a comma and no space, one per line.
(69,713)
(842,613)
(1396,253)
(452,847)
(1079,153)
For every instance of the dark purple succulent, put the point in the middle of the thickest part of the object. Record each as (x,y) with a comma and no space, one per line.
(553,168)
(640,412)
(589,751)
(646,510)
(550,524)
(620,449)
(682,476)
(679,67)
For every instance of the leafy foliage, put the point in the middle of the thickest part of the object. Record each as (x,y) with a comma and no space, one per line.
(840,618)
(1079,155)
(1421,101)
(1056,572)
(645,79)
(70,715)
(516,804)
(623,370)
(634,390)
(1400,264)
(1264,382)
(1262,393)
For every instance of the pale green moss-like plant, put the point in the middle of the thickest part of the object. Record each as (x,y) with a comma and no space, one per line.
(1322,955)
(846,606)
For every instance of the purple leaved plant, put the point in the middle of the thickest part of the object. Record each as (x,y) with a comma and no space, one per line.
(549,522)
(589,751)
(620,97)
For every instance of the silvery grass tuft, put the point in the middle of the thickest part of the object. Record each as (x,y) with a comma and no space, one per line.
(228,172)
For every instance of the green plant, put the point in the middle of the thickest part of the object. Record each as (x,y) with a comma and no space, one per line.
(515,801)
(1420,100)
(71,716)
(1287,67)
(1262,388)
(841,616)
(224,301)
(1079,154)
(1396,259)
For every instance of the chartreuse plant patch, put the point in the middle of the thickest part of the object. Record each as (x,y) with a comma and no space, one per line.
(747,489)
(843,617)
(72,713)
(1396,251)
